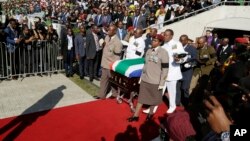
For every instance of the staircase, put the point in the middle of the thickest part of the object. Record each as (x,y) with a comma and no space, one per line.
(221,15)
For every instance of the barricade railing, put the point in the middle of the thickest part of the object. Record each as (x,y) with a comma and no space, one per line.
(36,58)
(193,13)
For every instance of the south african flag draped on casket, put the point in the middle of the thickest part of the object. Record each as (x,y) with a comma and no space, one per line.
(129,67)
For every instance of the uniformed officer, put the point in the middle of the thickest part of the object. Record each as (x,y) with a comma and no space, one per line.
(153,78)
(111,53)
(206,60)
(173,48)
(174,74)
(136,45)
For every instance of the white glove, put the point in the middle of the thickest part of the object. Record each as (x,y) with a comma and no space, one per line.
(139,82)
(187,65)
(160,87)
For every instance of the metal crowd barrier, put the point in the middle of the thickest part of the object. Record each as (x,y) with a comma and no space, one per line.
(38,58)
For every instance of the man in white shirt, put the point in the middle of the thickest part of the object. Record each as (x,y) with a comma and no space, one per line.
(174,73)
(136,45)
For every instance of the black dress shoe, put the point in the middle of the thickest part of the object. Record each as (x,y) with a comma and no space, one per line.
(96,78)
(149,117)
(81,77)
(91,79)
(112,97)
(131,119)
(96,97)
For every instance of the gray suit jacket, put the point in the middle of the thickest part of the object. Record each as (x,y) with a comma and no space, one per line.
(141,23)
(80,45)
(111,51)
(124,33)
(90,45)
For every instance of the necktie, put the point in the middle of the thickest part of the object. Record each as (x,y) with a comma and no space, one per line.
(135,22)
(98,19)
(105,19)
(121,34)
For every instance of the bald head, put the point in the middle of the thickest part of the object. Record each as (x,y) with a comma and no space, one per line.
(153,32)
(201,42)
(225,41)
(112,30)
(138,32)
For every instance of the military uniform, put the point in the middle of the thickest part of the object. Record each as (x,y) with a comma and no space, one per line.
(111,53)
(154,75)
(174,74)
(135,48)
(206,60)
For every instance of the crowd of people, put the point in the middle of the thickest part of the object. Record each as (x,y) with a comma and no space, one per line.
(84,14)
(209,77)
(179,70)
(104,12)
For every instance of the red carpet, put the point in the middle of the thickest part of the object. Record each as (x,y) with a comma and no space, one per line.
(102,120)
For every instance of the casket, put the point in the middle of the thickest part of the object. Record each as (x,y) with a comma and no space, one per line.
(125,75)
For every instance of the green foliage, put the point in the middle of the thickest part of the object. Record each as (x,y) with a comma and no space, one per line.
(86,85)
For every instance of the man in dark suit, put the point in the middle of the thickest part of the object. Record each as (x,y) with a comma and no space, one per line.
(126,20)
(98,18)
(80,47)
(106,18)
(223,52)
(187,72)
(93,52)
(139,20)
(215,41)
(121,32)
(68,52)
(12,42)
(117,15)
(149,37)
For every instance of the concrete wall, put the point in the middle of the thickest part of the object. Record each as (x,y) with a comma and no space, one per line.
(194,26)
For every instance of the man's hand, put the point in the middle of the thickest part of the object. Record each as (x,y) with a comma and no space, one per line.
(139,82)
(77,57)
(235,85)
(176,58)
(217,118)
(160,87)
(218,63)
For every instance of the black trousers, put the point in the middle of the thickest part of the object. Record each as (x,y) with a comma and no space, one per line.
(94,65)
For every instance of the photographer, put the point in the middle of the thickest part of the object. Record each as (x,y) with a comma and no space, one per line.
(25,46)
(12,43)
(52,34)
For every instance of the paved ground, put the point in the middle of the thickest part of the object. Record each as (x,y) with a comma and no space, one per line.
(34,94)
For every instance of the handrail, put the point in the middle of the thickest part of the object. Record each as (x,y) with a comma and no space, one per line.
(199,11)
